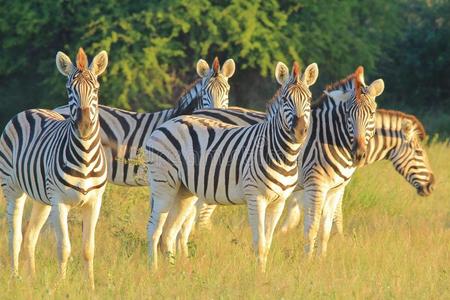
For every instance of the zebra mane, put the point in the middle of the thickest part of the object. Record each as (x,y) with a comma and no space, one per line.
(343,85)
(420,129)
(182,103)
(273,105)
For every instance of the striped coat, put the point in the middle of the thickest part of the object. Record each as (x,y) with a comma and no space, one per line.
(224,164)
(397,138)
(339,118)
(57,162)
(123,133)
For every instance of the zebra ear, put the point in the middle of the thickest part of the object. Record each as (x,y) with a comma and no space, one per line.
(281,73)
(64,64)
(408,129)
(310,75)
(99,63)
(376,88)
(202,68)
(228,68)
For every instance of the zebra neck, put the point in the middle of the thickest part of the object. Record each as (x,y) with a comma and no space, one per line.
(279,140)
(189,101)
(85,148)
(329,126)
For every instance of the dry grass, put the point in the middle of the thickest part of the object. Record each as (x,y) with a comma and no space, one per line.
(397,245)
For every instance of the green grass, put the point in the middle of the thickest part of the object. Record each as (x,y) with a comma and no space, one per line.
(397,245)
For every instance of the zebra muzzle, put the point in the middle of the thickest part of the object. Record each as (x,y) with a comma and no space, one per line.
(84,123)
(358,151)
(428,188)
(300,129)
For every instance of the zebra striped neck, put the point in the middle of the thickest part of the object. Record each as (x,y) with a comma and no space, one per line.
(80,145)
(189,100)
(281,143)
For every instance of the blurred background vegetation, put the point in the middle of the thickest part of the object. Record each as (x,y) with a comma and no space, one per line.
(153,48)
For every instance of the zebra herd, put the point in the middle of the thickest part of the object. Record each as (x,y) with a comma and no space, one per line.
(201,154)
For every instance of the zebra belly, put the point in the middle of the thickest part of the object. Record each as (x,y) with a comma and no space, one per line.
(76,198)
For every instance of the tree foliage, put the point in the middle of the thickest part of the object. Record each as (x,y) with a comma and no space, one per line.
(154,45)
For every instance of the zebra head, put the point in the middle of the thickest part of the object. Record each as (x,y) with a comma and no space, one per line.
(410,159)
(214,87)
(82,88)
(296,97)
(360,114)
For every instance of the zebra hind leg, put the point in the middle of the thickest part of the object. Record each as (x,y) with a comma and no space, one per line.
(180,210)
(293,212)
(162,199)
(185,232)
(16,203)
(39,215)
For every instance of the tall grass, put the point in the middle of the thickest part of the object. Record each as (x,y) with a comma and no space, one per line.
(397,245)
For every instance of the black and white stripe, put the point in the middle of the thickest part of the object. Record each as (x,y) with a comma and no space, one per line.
(57,162)
(397,138)
(342,123)
(222,164)
(123,132)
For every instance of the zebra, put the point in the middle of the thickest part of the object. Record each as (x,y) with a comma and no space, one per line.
(223,164)
(57,162)
(123,132)
(334,114)
(398,138)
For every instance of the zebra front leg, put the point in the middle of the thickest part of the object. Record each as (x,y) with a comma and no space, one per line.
(313,203)
(293,211)
(177,216)
(329,210)
(256,214)
(60,213)
(273,214)
(339,218)
(90,212)
(39,215)
(15,207)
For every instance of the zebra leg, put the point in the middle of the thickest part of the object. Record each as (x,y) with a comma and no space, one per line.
(293,212)
(160,210)
(15,208)
(90,213)
(256,214)
(204,212)
(185,232)
(273,214)
(338,218)
(177,216)
(329,210)
(60,213)
(313,203)
(39,215)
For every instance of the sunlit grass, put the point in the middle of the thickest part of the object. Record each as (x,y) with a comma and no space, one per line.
(397,245)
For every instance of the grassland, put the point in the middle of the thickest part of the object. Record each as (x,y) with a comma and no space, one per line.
(397,245)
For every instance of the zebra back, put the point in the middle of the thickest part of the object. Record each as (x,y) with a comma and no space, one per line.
(123,133)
